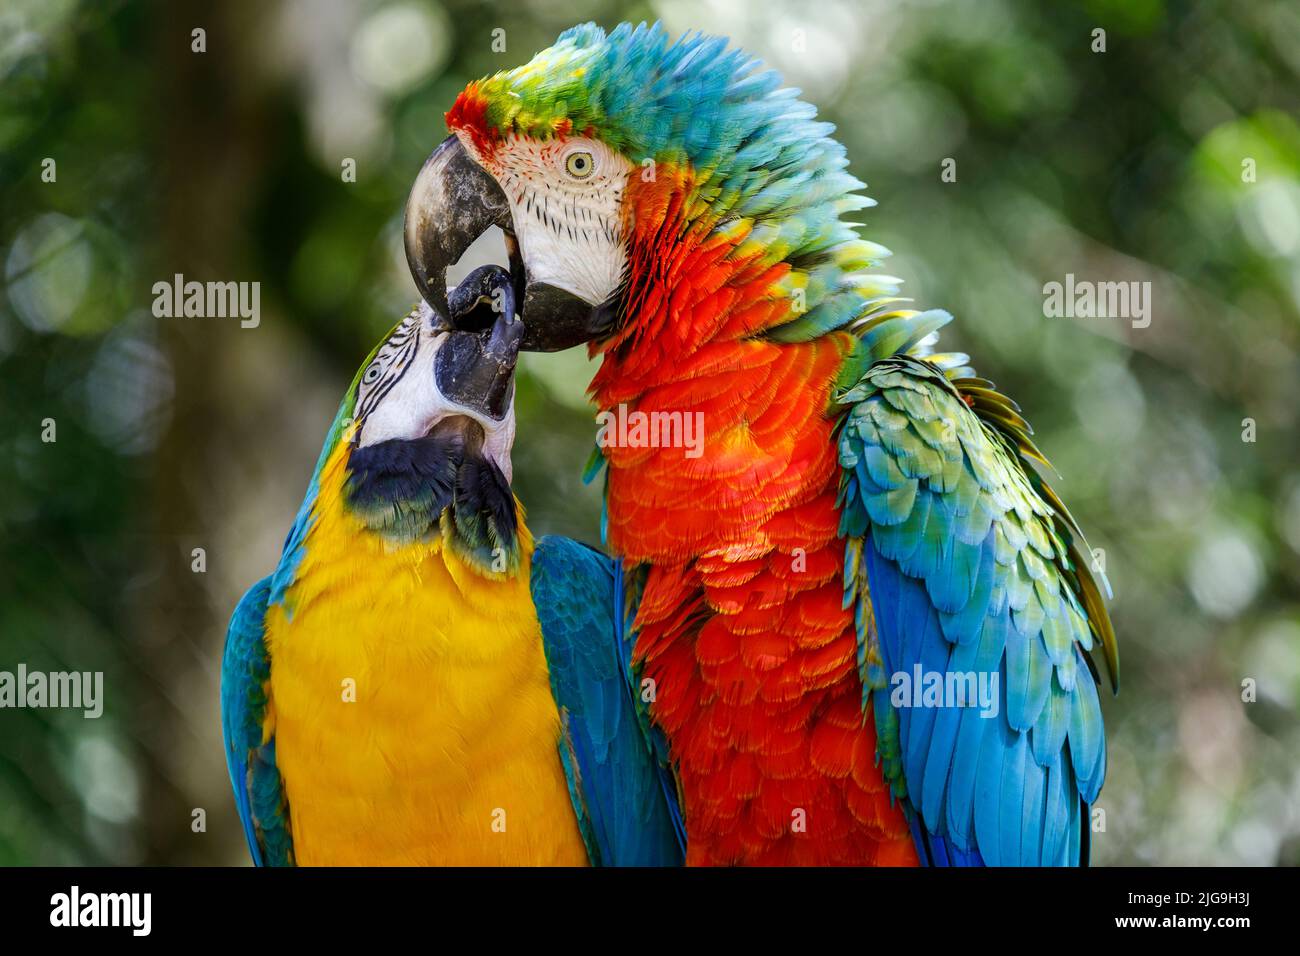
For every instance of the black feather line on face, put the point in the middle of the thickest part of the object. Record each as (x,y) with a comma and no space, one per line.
(390,364)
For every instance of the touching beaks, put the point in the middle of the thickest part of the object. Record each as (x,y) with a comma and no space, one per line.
(453,202)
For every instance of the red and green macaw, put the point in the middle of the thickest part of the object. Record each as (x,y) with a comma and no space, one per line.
(865,514)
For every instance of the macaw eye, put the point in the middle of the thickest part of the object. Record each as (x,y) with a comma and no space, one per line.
(371,376)
(579,164)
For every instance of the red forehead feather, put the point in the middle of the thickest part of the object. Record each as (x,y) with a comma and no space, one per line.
(469,114)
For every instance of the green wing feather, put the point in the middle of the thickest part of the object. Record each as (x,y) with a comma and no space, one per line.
(960,559)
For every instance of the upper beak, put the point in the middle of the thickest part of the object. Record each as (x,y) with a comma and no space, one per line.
(453,202)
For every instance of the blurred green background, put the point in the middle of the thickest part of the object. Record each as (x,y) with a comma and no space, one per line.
(176,434)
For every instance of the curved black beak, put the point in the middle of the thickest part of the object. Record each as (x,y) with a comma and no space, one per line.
(453,202)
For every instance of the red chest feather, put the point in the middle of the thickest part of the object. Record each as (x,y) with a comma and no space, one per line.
(740,625)
(753,663)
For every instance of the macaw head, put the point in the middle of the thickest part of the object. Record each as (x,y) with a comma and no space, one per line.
(428,378)
(607,158)
(424,432)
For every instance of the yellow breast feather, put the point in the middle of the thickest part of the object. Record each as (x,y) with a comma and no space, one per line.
(411,705)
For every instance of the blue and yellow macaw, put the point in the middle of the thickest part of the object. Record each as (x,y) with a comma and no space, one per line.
(872,628)
(390,693)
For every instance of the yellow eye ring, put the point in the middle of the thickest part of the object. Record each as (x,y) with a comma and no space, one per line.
(580,164)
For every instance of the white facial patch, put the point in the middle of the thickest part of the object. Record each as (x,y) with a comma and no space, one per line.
(565,198)
(398,395)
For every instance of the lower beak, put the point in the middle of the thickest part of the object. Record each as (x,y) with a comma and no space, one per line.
(476,369)
(453,202)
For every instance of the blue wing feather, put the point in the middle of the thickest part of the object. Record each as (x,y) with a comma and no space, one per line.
(615,779)
(964,556)
(259,795)
(658,743)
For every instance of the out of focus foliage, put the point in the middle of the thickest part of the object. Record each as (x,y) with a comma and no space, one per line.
(181,434)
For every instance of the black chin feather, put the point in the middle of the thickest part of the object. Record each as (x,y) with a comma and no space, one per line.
(485,505)
(400,488)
